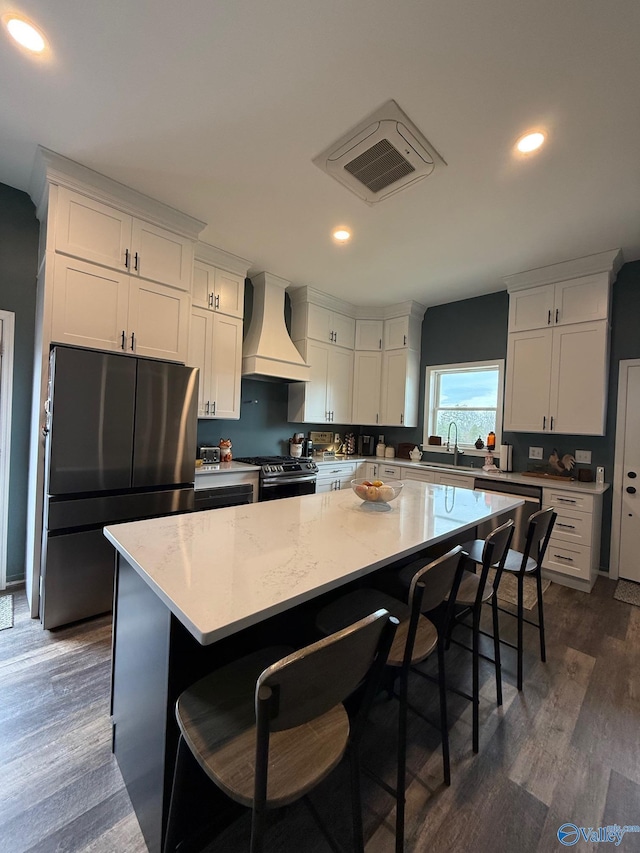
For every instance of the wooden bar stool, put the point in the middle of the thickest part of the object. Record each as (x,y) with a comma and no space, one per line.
(527,563)
(416,639)
(267,729)
(475,590)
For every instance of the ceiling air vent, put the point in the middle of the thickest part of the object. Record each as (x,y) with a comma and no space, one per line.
(384,154)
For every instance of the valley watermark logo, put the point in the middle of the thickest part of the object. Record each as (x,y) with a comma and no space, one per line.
(569,834)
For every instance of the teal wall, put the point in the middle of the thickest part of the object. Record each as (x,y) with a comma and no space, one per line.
(18,261)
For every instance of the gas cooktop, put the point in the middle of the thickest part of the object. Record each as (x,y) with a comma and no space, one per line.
(280,465)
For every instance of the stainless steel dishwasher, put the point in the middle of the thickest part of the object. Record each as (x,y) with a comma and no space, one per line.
(532,496)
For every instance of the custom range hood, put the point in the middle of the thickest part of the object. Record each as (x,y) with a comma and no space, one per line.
(268,352)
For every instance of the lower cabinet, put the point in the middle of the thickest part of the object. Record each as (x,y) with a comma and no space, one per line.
(333,476)
(573,554)
(460,480)
(104,309)
(215,346)
(327,396)
(420,476)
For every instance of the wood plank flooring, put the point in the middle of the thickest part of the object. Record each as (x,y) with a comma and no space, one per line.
(566,749)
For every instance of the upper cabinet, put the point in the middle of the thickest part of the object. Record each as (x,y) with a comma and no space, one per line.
(558,347)
(216,288)
(89,229)
(378,384)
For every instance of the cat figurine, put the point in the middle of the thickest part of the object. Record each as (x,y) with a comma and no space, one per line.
(225,450)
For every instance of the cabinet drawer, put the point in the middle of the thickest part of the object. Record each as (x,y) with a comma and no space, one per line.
(567,500)
(420,476)
(339,470)
(389,472)
(454,480)
(571,560)
(572,526)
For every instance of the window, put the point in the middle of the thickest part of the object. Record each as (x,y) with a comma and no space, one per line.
(468,394)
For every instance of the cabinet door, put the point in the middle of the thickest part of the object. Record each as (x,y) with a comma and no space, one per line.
(344,330)
(400,373)
(531,308)
(367,376)
(396,333)
(316,408)
(582,300)
(158,324)
(319,325)
(202,285)
(199,355)
(369,334)
(228,293)
(526,402)
(579,378)
(226,366)
(91,230)
(89,305)
(160,255)
(340,385)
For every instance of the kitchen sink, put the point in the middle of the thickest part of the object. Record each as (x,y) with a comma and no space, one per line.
(448,466)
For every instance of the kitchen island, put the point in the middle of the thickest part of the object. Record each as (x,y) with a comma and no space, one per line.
(195,591)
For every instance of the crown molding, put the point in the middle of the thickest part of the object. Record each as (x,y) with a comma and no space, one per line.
(602,262)
(209,254)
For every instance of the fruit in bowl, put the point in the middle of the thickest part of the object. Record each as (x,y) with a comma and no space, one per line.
(377,491)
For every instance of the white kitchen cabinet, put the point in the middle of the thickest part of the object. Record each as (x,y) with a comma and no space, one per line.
(367,378)
(330,326)
(91,230)
(217,289)
(215,346)
(557,379)
(460,480)
(327,397)
(369,335)
(573,553)
(333,476)
(402,332)
(399,389)
(577,300)
(94,307)
(416,474)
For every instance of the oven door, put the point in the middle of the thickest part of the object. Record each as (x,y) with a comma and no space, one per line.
(274,488)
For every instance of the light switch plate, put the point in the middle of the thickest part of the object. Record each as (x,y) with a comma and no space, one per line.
(535,453)
(583,456)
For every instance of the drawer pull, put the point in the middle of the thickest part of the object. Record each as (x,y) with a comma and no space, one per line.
(567,501)
(560,557)
(568,526)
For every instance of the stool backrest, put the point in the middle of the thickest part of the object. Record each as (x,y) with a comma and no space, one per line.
(311,681)
(436,579)
(538,534)
(494,553)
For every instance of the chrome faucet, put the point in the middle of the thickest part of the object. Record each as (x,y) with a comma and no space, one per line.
(456,452)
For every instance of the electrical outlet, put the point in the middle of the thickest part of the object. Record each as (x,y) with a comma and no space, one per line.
(583,456)
(535,453)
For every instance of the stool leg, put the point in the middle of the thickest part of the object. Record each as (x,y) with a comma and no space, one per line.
(476,679)
(356,804)
(444,726)
(171,839)
(402,759)
(543,652)
(520,627)
(496,648)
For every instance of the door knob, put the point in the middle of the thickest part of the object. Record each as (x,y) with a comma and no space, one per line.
(631,490)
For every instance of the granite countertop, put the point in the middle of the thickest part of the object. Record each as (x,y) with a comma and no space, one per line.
(273,555)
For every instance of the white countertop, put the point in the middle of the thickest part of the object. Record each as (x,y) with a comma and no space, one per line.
(225,467)
(512,477)
(222,570)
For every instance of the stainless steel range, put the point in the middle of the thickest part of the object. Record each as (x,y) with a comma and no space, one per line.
(284,476)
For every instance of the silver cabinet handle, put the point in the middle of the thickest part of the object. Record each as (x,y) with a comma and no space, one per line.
(206,411)
(211,300)
(213,408)
(218,300)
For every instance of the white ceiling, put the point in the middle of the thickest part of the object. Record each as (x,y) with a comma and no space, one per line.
(217,108)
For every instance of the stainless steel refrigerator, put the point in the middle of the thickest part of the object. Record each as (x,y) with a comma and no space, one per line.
(120,446)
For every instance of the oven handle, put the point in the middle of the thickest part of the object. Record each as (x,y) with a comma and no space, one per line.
(286,481)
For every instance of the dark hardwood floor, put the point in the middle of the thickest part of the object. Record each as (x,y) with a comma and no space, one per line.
(566,749)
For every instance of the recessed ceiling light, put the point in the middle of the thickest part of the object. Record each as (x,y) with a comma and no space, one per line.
(25,33)
(341,235)
(530,142)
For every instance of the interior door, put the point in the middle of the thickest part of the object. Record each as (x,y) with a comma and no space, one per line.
(630,511)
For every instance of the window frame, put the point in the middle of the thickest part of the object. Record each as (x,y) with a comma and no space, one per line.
(432,374)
